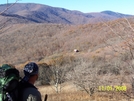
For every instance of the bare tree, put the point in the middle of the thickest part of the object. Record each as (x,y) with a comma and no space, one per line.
(58,77)
(125,50)
(8,7)
(85,76)
(59,66)
(3,24)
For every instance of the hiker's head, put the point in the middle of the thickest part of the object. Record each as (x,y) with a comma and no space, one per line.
(31,70)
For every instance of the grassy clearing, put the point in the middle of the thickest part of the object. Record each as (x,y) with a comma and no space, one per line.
(71,93)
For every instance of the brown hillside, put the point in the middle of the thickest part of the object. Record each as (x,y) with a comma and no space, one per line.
(22,42)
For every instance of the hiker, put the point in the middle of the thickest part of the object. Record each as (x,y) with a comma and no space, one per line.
(28,91)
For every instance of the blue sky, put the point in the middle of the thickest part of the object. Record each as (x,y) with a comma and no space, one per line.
(86,6)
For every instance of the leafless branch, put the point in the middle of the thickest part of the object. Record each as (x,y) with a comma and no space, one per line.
(9,7)
(130,26)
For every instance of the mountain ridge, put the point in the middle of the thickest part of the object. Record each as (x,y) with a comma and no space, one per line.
(39,13)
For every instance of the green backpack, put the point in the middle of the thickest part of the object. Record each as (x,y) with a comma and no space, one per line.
(9,80)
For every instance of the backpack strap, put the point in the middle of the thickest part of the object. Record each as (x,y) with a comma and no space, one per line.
(23,85)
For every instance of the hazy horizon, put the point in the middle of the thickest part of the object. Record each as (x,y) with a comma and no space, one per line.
(85,6)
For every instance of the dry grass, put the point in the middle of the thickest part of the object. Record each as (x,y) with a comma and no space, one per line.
(77,95)
(71,92)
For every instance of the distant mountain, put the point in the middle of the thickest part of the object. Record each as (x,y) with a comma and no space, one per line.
(38,13)
(116,14)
